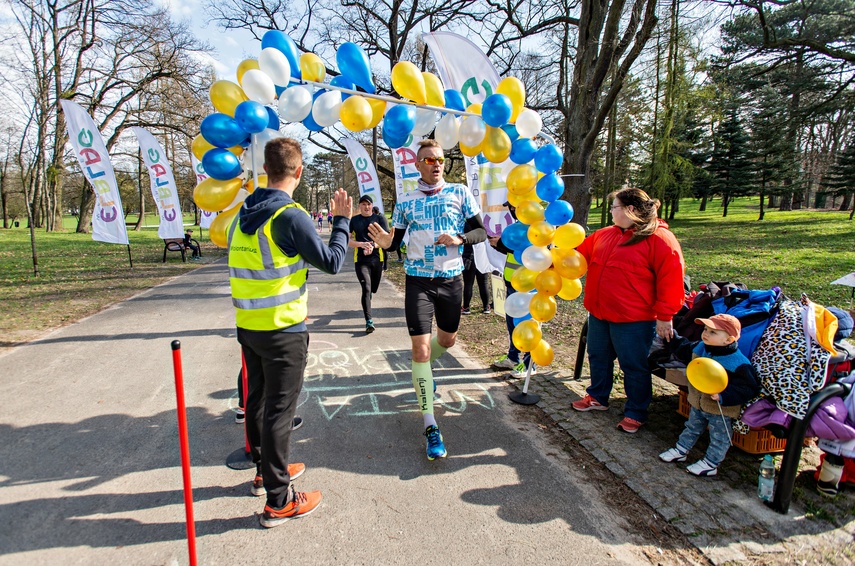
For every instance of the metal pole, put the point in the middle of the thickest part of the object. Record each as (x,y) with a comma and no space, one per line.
(184,445)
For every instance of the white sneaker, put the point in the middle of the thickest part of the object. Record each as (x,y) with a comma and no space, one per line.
(519,370)
(673,455)
(702,468)
(505,363)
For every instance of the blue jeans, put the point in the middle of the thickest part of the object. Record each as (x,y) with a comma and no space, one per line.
(720,431)
(513,352)
(628,343)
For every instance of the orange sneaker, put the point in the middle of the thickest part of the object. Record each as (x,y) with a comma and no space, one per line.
(294,470)
(303,503)
(629,425)
(588,403)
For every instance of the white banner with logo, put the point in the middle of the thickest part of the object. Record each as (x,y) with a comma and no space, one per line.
(108,219)
(404,159)
(163,187)
(205,217)
(366,174)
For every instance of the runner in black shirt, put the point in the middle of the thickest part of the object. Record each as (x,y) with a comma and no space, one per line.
(367,256)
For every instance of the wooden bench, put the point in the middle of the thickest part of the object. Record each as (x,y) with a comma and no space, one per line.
(177,245)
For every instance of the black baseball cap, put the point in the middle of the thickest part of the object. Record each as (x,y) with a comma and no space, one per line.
(366,198)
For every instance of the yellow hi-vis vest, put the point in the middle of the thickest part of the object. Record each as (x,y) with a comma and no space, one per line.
(268,287)
(511,265)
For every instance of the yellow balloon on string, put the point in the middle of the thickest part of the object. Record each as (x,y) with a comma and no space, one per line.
(549,282)
(521,179)
(219,230)
(570,289)
(312,67)
(378,109)
(408,81)
(213,195)
(707,375)
(543,354)
(471,151)
(541,233)
(496,146)
(245,66)
(529,212)
(542,307)
(225,96)
(570,264)
(355,113)
(435,92)
(526,335)
(262,182)
(517,200)
(514,89)
(523,279)
(569,235)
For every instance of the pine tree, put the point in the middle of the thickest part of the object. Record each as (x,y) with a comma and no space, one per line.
(730,166)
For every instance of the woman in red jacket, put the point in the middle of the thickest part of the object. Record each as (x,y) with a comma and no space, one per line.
(634,287)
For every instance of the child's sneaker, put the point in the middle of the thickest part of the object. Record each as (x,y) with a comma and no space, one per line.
(702,468)
(673,455)
(302,503)
(520,369)
(435,445)
(588,403)
(505,363)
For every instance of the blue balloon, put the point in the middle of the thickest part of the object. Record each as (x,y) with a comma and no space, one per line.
(221,130)
(343,82)
(279,90)
(221,164)
(392,140)
(548,159)
(519,319)
(283,42)
(518,255)
(512,132)
(454,100)
(549,188)
(311,125)
(251,116)
(523,151)
(272,118)
(400,120)
(354,64)
(558,213)
(496,110)
(515,236)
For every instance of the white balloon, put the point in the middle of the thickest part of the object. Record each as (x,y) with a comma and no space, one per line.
(447,131)
(255,153)
(239,198)
(275,65)
(425,121)
(295,104)
(528,123)
(536,258)
(472,131)
(258,86)
(516,305)
(327,108)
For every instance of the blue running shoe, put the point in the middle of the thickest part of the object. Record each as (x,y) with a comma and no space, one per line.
(435,446)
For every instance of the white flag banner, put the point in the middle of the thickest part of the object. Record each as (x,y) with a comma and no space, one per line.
(108,219)
(163,187)
(205,217)
(366,174)
(463,66)
(404,159)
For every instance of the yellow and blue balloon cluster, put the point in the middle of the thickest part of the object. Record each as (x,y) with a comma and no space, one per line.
(293,84)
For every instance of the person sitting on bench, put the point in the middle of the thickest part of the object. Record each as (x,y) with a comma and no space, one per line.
(188,243)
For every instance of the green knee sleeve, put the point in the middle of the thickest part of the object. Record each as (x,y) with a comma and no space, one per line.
(423,382)
(435,349)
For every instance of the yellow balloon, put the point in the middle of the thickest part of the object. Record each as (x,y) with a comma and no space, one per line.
(471,151)
(542,307)
(262,182)
(408,81)
(356,113)
(213,195)
(523,279)
(569,236)
(245,66)
(706,375)
(434,90)
(543,354)
(312,67)
(529,212)
(514,89)
(200,147)
(526,335)
(496,145)
(475,108)
(219,230)
(549,282)
(378,109)
(225,96)
(521,179)
(541,233)
(570,264)
(516,200)
(570,289)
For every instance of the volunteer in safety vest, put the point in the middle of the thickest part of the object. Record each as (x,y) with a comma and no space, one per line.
(272,242)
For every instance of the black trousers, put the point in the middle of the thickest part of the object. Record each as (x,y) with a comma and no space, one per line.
(275,363)
(369,272)
(470,275)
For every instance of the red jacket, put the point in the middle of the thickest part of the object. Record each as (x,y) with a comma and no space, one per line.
(634,283)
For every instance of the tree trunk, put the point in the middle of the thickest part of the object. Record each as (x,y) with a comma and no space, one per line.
(87,204)
(703,206)
(847,202)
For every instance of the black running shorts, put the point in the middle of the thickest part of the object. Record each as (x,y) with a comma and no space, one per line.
(426,296)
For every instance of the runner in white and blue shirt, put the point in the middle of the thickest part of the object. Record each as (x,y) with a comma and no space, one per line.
(439,218)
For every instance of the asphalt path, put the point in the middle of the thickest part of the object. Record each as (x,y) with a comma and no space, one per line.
(90,469)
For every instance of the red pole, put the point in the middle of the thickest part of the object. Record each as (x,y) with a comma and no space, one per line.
(184,445)
(245,388)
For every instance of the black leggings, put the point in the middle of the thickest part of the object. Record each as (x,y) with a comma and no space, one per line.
(369,274)
(470,275)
